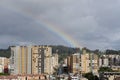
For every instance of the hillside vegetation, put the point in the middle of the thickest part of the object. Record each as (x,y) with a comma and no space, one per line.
(63,51)
(5,53)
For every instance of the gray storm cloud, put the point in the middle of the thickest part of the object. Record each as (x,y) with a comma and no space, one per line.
(94,24)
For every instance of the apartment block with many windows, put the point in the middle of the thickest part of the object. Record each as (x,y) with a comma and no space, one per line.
(32,60)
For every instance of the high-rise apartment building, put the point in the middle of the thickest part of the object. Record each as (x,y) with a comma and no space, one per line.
(109,60)
(83,63)
(103,61)
(68,63)
(20,61)
(73,63)
(54,61)
(41,59)
(89,62)
(31,60)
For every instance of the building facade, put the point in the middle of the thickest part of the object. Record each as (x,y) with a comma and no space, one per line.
(103,61)
(73,63)
(110,60)
(41,59)
(20,61)
(83,63)
(54,61)
(4,64)
(31,60)
(89,62)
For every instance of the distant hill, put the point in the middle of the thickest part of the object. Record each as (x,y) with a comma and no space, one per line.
(61,50)
(64,50)
(5,53)
(112,51)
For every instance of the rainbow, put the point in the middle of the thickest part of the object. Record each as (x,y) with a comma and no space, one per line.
(47,24)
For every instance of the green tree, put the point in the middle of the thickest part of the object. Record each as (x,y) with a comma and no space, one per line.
(105,69)
(90,76)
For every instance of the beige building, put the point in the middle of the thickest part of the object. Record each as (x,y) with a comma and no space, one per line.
(68,63)
(20,61)
(83,63)
(73,63)
(41,59)
(65,61)
(54,61)
(103,61)
(32,60)
(110,60)
(4,63)
(89,62)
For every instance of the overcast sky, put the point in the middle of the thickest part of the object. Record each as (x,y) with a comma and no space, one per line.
(92,23)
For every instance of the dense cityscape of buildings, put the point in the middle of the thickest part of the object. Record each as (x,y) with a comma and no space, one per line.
(37,62)
(91,62)
(32,60)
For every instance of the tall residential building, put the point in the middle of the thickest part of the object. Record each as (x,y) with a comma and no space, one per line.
(54,61)
(31,60)
(20,61)
(73,63)
(89,62)
(41,59)
(114,59)
(103,61)
(109,60)
(83,63)
(68,63)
